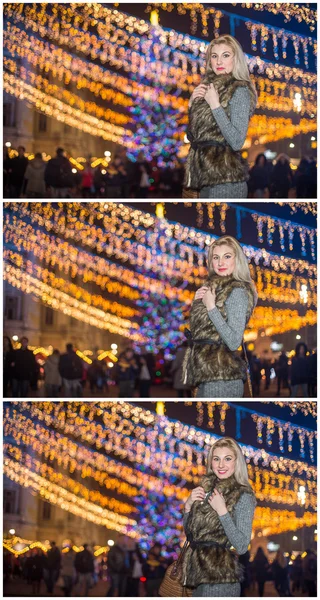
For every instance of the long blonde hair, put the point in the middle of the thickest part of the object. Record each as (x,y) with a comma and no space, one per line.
(241,270)
(240,69)
(241,471)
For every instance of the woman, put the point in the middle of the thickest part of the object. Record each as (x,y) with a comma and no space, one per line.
(221,309)
(219,112)
(218,515)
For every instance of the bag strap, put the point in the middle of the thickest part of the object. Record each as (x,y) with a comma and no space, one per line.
(248,369)
(180,557)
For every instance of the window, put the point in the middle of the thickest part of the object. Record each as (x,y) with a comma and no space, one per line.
(42,122)
(12,308)
(48,318)
(9,501)
(9,114)
(46,511)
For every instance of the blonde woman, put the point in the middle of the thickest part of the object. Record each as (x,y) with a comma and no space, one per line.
(218,515)
(219,112)
(221,309)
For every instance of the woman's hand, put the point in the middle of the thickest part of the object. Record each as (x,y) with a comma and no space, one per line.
(212,97)
(209,299)
(217,502)
(197,494)
(198,92)
(201,292)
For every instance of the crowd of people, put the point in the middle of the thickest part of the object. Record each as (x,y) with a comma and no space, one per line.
(66,374)
(128,572)
(123,178)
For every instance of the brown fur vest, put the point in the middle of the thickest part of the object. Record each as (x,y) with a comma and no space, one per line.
(207,362)
(212,165)
(213,564)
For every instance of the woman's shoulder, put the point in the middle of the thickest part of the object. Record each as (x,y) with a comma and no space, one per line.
(246,499)
(241,92)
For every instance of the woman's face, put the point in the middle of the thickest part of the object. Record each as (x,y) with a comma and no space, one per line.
(223,260)
(223,462)
(222,59)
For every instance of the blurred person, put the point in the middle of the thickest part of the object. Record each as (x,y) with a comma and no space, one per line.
(312,374)
(281,177)
(220,311)
(280,572)
(301,179)
(71,371)
(24,370)
(87,181)
(118,567)
(58,175)
(8,359)
(141,181)
(183,390)
(52,377)
(34,569)
(261,568)
(299,371)
(297,574)
(68,571)
(17,168)
(96,375)
(34,185)
(145,378)
(259,178)
(116,178)
(126,373)
(220,511)
(136,563)
(53,565)
(154,569)
(282,372)
(219,112)
(84,566)
(309,566)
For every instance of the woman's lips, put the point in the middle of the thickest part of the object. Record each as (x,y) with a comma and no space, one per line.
(223,269)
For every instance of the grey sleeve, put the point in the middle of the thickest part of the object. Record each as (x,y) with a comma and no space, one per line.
(238,531)
(235,130)
(231,331)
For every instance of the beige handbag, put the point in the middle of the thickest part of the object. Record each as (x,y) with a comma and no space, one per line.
(171,585)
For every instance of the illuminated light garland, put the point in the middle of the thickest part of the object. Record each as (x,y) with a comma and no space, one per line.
(306,207)
(283,35)
(305,406)
(183,436)
(94,465)
(133,61)
(65,256)
(73,486)
(47,57)
(272,522)
(275,321)
(69,288)
(270,424)
(268,486)
(57,109)
(43,85)
(266,129)
(66,500)
(270,223)
(61,301)
(40,213)
(84,74)
(288,10)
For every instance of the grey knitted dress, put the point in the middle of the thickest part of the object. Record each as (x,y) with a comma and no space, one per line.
(231,332)
(234,131)
(238,531)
